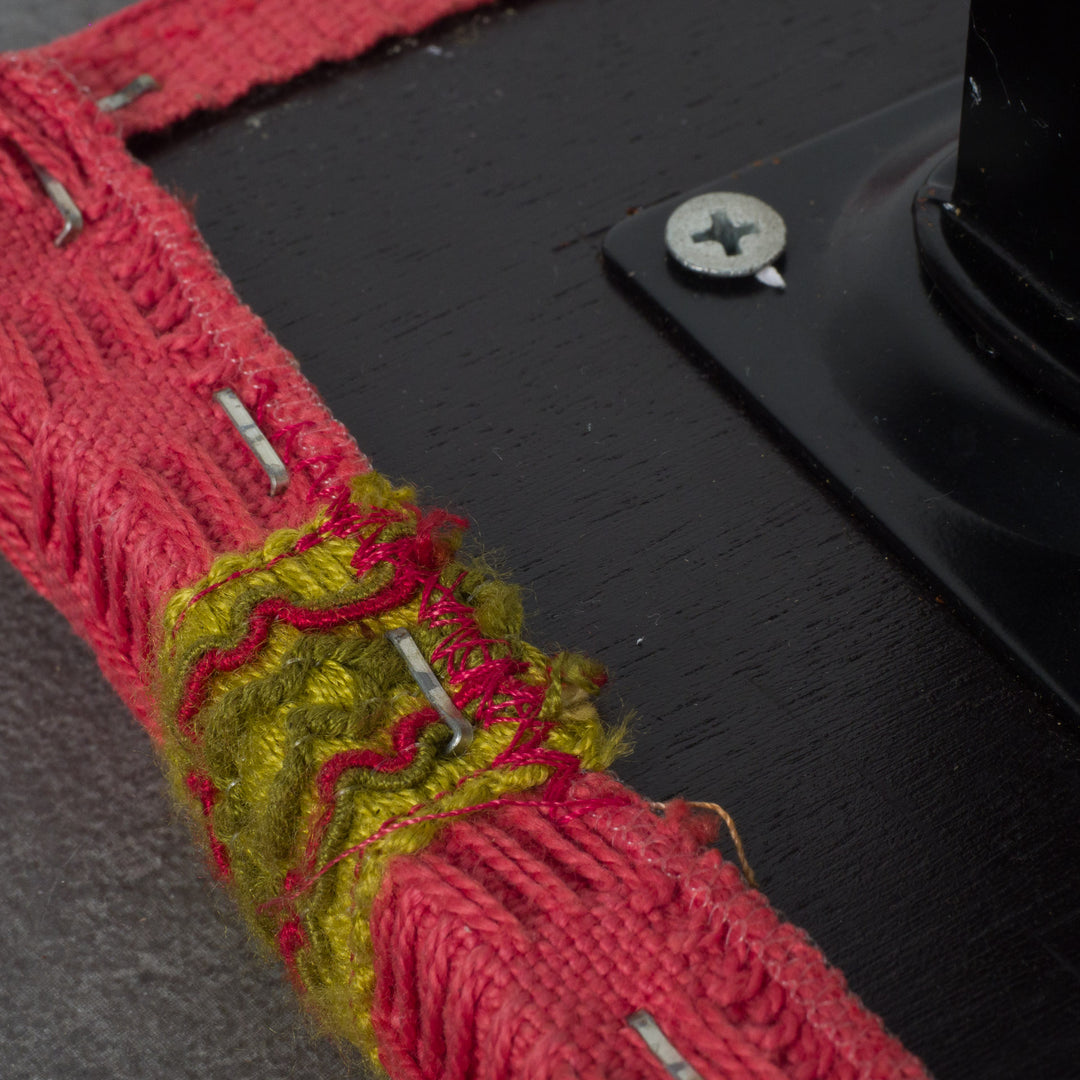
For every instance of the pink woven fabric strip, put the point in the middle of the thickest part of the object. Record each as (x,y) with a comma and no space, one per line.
(120,477)
(208,53)
(518,944)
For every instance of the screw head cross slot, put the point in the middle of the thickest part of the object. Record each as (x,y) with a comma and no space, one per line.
(725,234)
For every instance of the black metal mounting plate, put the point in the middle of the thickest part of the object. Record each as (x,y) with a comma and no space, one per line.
(969,470)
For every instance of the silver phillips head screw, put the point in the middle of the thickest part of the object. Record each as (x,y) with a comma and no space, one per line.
(727,234)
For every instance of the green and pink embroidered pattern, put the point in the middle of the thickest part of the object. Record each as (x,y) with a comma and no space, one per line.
(308,749)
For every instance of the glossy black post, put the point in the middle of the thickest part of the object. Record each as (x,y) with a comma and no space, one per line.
(1019,155)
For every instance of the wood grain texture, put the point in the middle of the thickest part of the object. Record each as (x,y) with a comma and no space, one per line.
(421,227)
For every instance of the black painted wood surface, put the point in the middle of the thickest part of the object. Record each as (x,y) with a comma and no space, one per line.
(421,227)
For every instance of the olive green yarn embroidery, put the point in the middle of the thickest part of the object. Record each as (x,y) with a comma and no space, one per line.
(294,730)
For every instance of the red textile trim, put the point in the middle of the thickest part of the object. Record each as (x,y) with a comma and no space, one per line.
(524,937)
(120,477)
(207,53)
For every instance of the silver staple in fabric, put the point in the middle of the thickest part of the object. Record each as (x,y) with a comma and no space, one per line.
(72,215)
(460,728)
(138,86)
(259,444)
(643,1023)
